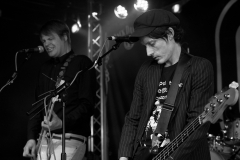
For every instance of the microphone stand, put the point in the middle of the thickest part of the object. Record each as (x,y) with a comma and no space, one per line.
(98,62)
(14,76)
(64,87)
(63,154)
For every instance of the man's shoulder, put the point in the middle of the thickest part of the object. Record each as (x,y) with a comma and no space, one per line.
(82,59)
(149,62)
(201,63)
(197,59)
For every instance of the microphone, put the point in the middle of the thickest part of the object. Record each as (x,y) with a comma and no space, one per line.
(123,39)
(38,49)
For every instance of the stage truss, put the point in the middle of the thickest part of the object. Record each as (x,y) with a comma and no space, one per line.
(97,140)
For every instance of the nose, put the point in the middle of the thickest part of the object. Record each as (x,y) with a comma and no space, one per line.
(149,51)
(45,42)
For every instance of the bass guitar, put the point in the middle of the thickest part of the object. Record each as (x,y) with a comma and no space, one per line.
(212,112)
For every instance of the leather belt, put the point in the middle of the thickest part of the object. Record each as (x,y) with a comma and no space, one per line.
(71,137)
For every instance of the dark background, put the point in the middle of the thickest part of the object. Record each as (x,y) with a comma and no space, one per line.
(19,24)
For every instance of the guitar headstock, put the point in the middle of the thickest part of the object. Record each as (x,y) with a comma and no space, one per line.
(218,103)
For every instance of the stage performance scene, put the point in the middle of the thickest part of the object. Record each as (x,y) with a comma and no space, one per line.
(123,80)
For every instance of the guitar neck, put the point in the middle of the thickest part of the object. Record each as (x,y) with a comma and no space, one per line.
(43,131)
(173,145)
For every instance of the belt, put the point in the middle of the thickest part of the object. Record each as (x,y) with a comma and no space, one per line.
(82,139)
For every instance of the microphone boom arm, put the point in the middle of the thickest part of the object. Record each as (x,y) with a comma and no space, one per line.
(98,62)
(14,76)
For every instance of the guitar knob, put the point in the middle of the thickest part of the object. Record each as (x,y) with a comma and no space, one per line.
(154,150)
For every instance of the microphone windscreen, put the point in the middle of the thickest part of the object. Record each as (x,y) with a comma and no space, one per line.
(41,49)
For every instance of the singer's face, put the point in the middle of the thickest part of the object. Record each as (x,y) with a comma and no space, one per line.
(159,49)
(53,44)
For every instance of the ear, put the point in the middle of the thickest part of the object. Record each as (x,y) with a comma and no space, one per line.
(65,37)
(171,33)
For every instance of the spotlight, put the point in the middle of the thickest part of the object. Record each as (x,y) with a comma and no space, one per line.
(75,28)
(141,5)
(120,12)
(95,14)
(79,23)
(176,8)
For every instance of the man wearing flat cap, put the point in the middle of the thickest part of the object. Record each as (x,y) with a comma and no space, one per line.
(191,79)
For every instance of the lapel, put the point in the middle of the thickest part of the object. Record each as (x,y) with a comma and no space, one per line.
(183,81)
(153,78)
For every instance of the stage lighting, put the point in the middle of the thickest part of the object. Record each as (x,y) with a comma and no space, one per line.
(176,8)
(120,12)
(79,23)
(141,5)
(95,14)
(76,26)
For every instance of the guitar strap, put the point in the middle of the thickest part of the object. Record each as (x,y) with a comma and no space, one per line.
(63,70)
(168,105)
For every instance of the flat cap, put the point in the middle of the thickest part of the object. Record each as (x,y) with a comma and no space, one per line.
(151,19)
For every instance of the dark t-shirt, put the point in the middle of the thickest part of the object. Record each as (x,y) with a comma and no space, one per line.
(161,96)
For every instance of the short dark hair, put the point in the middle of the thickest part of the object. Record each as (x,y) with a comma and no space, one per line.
(57,26)
(163,32)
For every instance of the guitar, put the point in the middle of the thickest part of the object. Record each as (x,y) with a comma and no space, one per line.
(212,112)
(43,132)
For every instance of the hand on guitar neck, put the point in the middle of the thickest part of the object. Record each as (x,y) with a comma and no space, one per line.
(51,120)
(53,124)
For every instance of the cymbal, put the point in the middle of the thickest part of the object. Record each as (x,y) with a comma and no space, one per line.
(232,141)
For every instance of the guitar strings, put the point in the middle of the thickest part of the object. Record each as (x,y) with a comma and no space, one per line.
(48,111)
(167,150)
(188,131)
(43,133)
(179,137)
(50,144)
(47,107)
